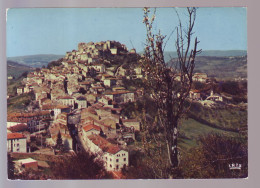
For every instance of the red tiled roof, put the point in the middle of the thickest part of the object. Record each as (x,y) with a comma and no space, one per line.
(85,83)
(98,87)
(29,114)
(195,91)
(61,107)
(90,127)
(103,144)
(14,136)
(65,97)
(18,127)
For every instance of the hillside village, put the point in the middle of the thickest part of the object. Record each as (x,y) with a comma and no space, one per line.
(81,101)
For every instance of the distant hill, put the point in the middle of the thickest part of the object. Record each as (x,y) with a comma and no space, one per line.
(222,67)
(35,60)
(15,69)
(212,53)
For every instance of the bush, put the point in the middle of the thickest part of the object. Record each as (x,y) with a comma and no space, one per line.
(81,166)
(213,157)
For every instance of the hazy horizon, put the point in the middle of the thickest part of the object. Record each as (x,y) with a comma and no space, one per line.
(137,52)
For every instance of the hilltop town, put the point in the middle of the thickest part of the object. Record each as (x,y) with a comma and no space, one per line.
(81,99)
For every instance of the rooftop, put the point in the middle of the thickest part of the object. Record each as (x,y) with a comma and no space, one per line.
(103,144)
(15,136)
(90,127)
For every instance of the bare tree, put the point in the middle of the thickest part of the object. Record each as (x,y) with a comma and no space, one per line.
(170,84)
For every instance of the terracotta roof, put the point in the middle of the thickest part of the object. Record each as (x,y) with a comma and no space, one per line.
(48,107)
(85,83)
(98,87)
(15,136)
(61,107)
(103,144)
(51,106)
(20,120)
(195,91)
(90,127)
(65,97)
(18,127)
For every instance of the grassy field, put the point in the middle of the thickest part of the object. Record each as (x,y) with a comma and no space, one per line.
(191,130)
(226,117)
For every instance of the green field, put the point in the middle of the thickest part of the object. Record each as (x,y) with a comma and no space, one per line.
(234,118)
(191,130)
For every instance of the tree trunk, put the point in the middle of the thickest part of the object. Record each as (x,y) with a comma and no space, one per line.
(174,157)
(172,146)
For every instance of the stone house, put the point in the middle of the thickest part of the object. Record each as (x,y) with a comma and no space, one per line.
(113,156)
(215,97)
(81,102)
(106,101)
(121,96)
(195,94)
(109,82)
(16,142)
(200,77)
(114,51)
(97,89)
(90,129)
(66,100)
(98,67)
(19,90)
(57,109)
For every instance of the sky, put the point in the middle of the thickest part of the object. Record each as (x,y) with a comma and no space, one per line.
(33,31)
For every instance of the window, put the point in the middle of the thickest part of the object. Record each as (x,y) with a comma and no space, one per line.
(110,166)
(110,159)
(17,145)
(117,160)
(124,159)
(116,166)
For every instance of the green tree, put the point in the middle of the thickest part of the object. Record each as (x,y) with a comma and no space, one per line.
(59,142)
(79,166)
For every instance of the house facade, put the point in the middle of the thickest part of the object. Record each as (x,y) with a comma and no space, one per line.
(113,156)
(16,142)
